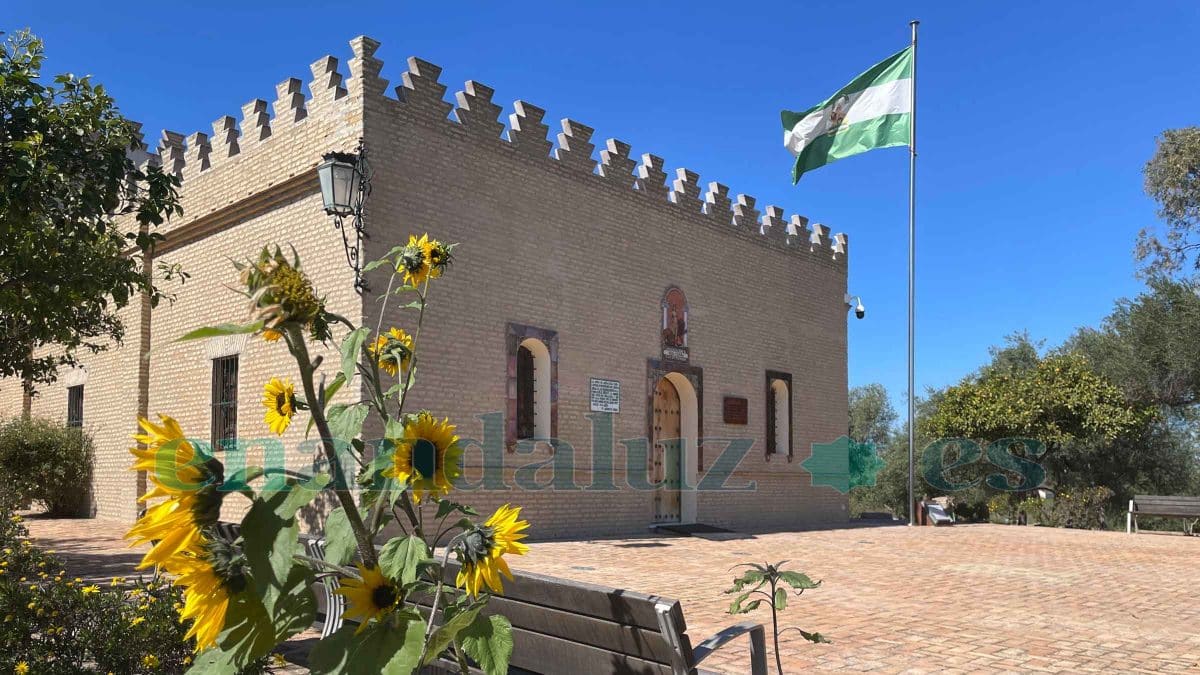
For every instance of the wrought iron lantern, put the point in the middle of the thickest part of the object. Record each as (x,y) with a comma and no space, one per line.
(345,185)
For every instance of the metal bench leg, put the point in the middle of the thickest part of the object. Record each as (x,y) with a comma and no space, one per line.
(1129,519)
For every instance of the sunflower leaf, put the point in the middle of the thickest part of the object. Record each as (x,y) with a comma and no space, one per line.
(345,421)
(380,648)
(271,534)
(445,634)
(222,329)
(351,348)
(340,544)
(489,641)
(446,507)
(401,557)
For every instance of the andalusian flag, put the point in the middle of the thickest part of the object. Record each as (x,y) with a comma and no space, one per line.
(873,111)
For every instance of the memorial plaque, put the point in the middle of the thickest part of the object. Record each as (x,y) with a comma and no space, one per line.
(736,410)
(605,395)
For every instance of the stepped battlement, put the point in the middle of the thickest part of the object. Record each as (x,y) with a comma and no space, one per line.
(423,97)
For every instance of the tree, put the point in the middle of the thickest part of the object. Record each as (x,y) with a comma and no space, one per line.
(67,184)
(1060,402)
(1173,181)
(871,414)
(1148,346)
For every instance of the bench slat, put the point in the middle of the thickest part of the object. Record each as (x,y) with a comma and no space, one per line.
(576,597)
(545,654)
(1168,511)
(1181,499)
(606,635)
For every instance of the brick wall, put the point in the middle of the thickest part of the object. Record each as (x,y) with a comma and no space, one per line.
(547,241)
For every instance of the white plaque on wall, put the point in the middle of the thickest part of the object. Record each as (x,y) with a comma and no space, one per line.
(605,395)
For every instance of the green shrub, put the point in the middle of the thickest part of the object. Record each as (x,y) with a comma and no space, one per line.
(55,623)
(45,461)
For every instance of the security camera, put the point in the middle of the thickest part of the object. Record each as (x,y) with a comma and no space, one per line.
(859,310)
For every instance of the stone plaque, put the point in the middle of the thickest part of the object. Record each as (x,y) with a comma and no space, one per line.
(736,410)
(605,395)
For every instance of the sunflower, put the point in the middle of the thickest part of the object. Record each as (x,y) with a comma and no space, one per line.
(440,257)
(279,398)
(209,577)
(281,293)
(368,597)
(186,479)
(415,260)
(428,458)
(482,550)
(393,352)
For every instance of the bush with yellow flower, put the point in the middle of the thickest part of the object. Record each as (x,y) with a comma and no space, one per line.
(244,597)
(52,622)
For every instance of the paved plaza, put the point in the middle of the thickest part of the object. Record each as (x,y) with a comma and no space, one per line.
(974,598)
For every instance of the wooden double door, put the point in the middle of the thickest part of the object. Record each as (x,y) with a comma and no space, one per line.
(666,453)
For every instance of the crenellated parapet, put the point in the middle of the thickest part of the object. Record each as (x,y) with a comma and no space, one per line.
(477,118)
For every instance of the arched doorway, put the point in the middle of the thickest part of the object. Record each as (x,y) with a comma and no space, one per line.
(674,449)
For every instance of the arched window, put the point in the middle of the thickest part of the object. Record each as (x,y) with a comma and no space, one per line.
(779,413)
(533,389)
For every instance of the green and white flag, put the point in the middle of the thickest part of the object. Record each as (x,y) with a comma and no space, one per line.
(873,111)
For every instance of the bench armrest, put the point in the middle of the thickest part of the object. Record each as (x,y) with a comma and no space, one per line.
(758,645)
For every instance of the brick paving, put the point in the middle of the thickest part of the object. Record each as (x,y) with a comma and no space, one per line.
(975,598)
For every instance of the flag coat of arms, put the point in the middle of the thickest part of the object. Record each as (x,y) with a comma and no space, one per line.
(873,111)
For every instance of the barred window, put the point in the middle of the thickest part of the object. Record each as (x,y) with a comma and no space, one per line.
(224,400)
(75,406)
(533,390)
(779,413)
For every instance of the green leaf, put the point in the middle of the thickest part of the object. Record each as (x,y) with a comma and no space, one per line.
(446,507)
(489,641)
(271,534)
(735,607)
(351,349)
(338,382)
(811,637)
(400,558)
(446,633)
(798,581)
(340,544)
(222,329)
(376,264)
(389,647)
(345,421)
(752,576)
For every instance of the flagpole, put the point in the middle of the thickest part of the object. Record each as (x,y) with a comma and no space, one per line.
(912,271)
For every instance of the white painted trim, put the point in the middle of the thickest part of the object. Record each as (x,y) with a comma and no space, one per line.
(541,387)
(75,377)
(224,345)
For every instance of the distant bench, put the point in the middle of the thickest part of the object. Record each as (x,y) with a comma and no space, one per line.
(1167,507)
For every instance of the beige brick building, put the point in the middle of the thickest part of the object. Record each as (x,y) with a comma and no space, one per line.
(715,319)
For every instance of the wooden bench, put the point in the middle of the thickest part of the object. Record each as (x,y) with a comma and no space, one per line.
(564,626)
(1169,507)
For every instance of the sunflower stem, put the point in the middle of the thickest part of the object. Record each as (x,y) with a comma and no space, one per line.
(437,595)
(464,668)
(377,511)
(299,349)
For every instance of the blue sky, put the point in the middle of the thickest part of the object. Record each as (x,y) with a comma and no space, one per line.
(1034,122)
